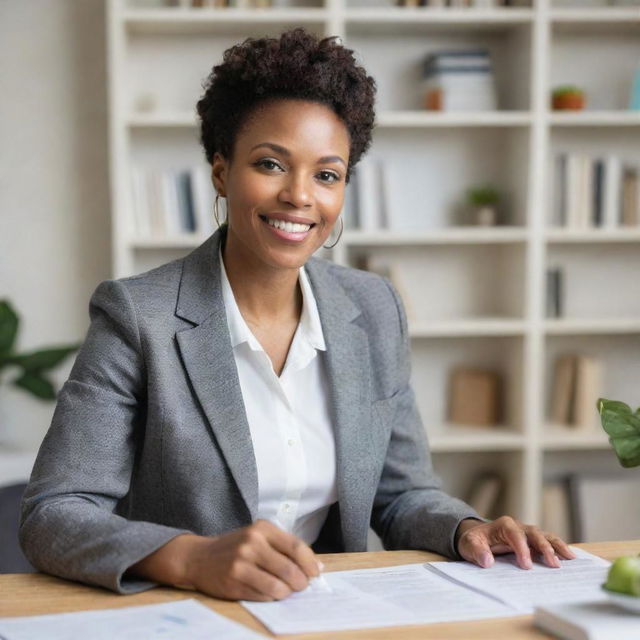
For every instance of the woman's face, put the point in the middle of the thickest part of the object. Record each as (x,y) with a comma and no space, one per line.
(285,184)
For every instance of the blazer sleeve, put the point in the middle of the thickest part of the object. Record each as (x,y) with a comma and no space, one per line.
(410,510)
(83,469)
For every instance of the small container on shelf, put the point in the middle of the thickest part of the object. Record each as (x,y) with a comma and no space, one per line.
(568,98)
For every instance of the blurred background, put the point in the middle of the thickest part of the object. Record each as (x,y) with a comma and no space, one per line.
(501,196)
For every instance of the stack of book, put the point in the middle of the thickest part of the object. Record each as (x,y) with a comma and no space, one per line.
(577,385)
(460,80)
(170,202)
(594,192)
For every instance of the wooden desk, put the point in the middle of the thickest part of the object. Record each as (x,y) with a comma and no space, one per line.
(32,594)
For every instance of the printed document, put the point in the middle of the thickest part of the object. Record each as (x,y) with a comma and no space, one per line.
(182,620)
(577,580)
(434,592)
(366,598)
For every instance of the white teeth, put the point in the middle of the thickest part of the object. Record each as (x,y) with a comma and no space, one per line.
(289,227)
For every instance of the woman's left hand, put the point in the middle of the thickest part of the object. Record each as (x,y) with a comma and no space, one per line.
(478,541)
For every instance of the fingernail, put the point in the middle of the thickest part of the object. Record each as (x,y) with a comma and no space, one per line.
(486,560)
(320,566)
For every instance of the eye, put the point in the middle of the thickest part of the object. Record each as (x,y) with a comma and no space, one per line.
(268,164)
(329,177)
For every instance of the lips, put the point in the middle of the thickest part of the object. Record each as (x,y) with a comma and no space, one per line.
(289,228)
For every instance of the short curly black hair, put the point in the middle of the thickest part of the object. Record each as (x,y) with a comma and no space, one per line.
(297,65)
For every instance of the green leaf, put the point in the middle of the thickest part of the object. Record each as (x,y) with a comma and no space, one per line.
(627,450)
(44,359)
(623,428)
(37,385)
(8,326)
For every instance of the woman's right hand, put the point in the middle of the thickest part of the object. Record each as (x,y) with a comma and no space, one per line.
(259,562)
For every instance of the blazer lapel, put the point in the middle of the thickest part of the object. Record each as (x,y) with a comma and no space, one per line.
(208,358)
(348,371)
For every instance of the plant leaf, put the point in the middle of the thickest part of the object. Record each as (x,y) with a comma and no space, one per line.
(8,326)
(623,428)
(37,385)
(627,450)
(44,359)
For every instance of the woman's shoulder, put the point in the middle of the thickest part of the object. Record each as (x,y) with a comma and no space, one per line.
(370,292)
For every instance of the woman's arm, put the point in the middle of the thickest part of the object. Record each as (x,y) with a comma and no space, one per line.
(85,463)
(258,562)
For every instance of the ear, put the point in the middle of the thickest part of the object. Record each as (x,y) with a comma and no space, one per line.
(219,173)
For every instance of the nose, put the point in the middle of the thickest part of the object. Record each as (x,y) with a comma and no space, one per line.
(297,192)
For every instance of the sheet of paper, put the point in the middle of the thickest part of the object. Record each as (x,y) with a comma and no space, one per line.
(366,598)
(182,620)
(577,580)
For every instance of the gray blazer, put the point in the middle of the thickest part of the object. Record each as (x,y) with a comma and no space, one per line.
(150,439)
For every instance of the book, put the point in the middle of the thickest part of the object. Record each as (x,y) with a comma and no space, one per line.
(372,194)
(612,192)
(459,80)
(588,388)
(474,397)
(485,494)
(555,292)
(562,390)
(598,620)
(630,199)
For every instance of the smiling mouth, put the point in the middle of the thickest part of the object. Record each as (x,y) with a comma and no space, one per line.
(286,226)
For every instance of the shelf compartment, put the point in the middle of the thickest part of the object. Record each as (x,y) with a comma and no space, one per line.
(398,69)
(483,281)
(620,372)
(429,171)
(600,282)
(432,363)
(601,62)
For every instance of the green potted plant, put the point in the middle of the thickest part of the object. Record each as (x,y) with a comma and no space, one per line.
(32,367)
(484,201)
(568,98)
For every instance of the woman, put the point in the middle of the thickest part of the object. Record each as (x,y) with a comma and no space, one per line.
(231,410)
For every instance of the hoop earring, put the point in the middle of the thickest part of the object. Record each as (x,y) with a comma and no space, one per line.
(339,236)
(216,212)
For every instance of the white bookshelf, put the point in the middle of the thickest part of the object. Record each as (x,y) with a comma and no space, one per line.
(474,295)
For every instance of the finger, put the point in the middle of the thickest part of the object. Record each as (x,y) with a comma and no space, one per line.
(561,547)
(292,547)
(511,532)
(538,540)
(281,566)
(473,546)
(252,577)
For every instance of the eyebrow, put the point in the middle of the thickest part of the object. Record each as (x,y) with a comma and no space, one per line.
(287,153)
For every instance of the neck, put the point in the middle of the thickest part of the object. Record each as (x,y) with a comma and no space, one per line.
(264,294)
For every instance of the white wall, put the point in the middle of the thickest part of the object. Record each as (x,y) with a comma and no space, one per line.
(54,200)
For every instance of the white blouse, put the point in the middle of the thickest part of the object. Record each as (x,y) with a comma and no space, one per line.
(289,419)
